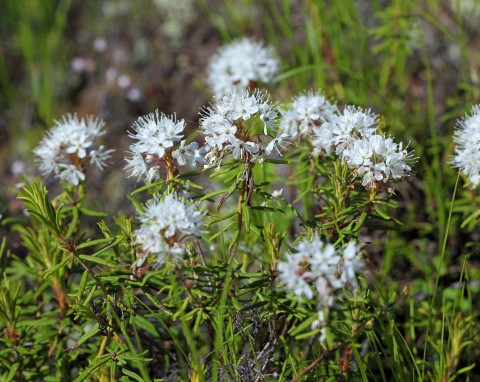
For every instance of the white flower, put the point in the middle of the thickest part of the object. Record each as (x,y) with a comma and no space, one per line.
(68,145)
(241,149)
(291,273)
(155,132)
(339,131)
(136,165)
(313,262)
(276,143)
(233,124)
(78,142)
(99,157)
(156,136)
(268,115)
(172,216)
(320,323)
(186,154)
(377,159)
(70,174)
(245,107)
(166,223)
(351,264)
(307,112)
(277,193)
(319,264)
(467,146)
(219,130)
(241,64)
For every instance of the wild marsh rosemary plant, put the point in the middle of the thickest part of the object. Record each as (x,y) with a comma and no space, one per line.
(250,246)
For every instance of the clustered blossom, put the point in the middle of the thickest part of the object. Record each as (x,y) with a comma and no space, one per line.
(241,124)
(241,65)
(351,134)
(166,223)
(159,144)
(467,144)
(69,145)
(339,130)
(306,114)
(377,159)
(319,266)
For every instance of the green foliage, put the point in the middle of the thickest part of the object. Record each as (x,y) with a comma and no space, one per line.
(80,300)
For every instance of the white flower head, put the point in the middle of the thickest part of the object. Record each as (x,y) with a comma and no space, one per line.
(241,65)
(313,263)
(339,131)
(69,145)
(377,159)
(467,146)
(319,266)
(238,123)
(156,132)
(159,141)
(166,224)
(291,273)
(306,113)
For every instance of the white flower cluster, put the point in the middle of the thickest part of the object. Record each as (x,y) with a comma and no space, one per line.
(319,264)
(467,146)
(351,134)
(159,143)
(165,223)
(306,114)
(68,145)
(377,159)
(239,124)
(339,130)
(241,65)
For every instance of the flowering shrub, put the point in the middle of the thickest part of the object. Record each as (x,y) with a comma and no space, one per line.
(261,241)
(182,245)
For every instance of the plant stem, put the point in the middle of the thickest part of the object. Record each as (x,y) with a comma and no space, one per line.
(239,220)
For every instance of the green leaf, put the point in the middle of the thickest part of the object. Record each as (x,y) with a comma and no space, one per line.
(234,239)
(180,311)
(37,204)
(147,187)
(82,285)
(146,325)
(133,375)
(265,208)
(94,330)
(254,306)
(214,193)
(89,212)
(189,183)
(98,260)
(296,330)
(309,334)
(381,213)
(246,216)
(90,243)
(216,234)
(465,369)
(50,271)
(220,218)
